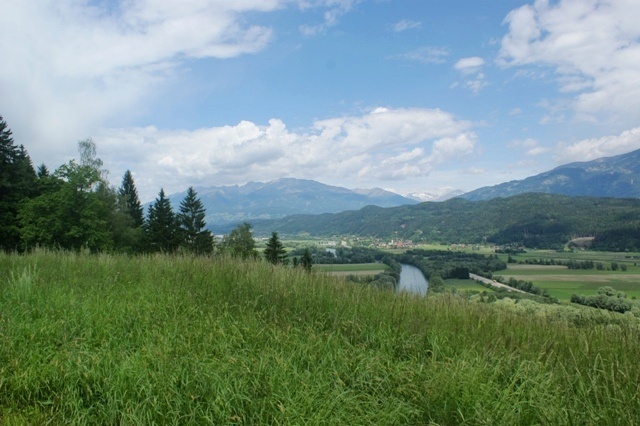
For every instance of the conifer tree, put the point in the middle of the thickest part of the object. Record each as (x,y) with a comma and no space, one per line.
(275,252)
(194,237)
(17,182)
(161,225)
(129,201)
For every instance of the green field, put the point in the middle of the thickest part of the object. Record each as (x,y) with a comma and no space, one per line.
(352,269)
(181,340)
(464,285)
(562,282)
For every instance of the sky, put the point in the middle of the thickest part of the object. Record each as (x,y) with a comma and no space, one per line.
(405,95)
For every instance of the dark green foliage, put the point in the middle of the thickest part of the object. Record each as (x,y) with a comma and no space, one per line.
(275,252)
(620,239)
(194,237)
(342,255)
(607,298)
(240,242)
(129,201)
(162,226)
(17,182)
(534,220)
(306,261)
(449,264)
(74,209)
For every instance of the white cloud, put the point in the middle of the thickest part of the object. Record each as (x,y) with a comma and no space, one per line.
(71,65)
(406,24)
(385,144)
(471,68)
(593,46)
(469,65)
(590,149)
(427,55)
(335,9)
(531,146)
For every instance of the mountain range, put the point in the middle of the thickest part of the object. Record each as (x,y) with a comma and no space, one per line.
(617,177)
(227,205)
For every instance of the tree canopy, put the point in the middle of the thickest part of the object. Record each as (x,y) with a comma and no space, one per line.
(240,242)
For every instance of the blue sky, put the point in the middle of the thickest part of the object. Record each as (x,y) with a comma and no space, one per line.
(407,95)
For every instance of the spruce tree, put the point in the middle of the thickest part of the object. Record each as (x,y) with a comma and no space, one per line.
(194,237)
(130,203)
(17,182)
(161,225)
(275,252)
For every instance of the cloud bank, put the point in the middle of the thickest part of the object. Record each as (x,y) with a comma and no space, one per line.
(380,146)
(593,46)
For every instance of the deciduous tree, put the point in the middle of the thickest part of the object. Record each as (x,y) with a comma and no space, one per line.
(240,242)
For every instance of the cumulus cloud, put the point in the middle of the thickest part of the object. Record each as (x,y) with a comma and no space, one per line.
(590,149)
(383,145)
(593,45)
(71,65)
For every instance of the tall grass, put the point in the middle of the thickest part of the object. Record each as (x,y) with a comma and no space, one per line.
(111,339)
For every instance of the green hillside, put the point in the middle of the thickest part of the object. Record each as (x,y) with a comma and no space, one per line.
(182,340)
(535,220)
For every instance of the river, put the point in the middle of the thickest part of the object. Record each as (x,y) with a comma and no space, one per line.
(412,280)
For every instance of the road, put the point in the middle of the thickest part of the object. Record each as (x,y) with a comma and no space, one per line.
(493,283)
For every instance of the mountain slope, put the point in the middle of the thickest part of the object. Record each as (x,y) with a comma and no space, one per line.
(535,220)
(617,177)
(282,197)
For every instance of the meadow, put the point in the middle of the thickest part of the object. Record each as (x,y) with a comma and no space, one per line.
(104,339)
(562,282)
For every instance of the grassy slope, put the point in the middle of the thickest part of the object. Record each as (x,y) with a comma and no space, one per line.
(206,341)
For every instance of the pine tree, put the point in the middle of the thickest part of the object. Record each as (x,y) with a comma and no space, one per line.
(17,182)
(275,252)
(130,203)
(194,237)
(161,225)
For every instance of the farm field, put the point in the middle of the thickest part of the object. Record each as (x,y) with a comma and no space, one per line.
(562,282)
(464,285)
(351,269)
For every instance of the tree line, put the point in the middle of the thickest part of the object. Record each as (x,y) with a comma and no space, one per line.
(75,208)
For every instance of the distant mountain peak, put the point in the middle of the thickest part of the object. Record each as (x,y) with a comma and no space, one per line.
(283,197)
(441,194)
(617,177)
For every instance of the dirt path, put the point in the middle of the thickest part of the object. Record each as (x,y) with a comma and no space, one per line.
(493,283)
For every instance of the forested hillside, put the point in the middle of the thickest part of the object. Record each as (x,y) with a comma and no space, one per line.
(534,220)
